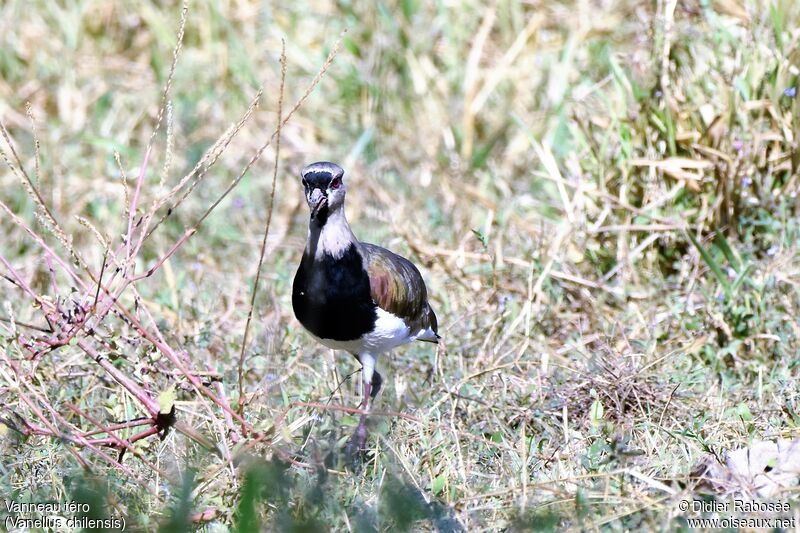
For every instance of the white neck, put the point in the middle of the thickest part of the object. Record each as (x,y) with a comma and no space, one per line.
(333,238)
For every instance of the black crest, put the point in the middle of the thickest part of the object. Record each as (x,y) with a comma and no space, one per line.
(318,175)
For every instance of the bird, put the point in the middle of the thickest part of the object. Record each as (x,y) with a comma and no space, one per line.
(352,295)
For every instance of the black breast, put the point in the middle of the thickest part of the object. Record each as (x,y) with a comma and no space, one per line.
(331,297)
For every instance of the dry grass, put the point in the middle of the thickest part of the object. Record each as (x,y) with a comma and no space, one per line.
(602,196)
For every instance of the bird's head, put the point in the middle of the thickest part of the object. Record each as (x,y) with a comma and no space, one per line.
(324,189)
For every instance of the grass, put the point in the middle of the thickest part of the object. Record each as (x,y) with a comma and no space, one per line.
(602,198)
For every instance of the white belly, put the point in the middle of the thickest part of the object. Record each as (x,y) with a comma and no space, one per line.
(389,332)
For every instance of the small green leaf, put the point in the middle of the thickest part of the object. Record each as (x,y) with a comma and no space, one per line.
(166,400)
(481,237)
(596,412)
(722,243)
(349,421)
(712,264)
(743,412)
(437,485)
(582,503)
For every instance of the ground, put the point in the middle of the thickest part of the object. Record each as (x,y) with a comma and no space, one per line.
(600,194)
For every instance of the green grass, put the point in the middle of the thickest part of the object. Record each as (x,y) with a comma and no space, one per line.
(603,204)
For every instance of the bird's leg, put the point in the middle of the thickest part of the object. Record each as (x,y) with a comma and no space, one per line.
(359,440)
(366,392)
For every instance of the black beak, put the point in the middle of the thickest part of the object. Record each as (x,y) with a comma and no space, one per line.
(317,199)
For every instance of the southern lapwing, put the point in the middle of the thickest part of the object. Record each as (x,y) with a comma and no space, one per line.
(355,296)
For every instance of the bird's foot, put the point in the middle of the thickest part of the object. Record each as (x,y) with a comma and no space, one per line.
(357,445)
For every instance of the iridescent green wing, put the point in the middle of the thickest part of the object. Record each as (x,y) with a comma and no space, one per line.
(398,288)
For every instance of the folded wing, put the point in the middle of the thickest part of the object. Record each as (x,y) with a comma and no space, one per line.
(398,288)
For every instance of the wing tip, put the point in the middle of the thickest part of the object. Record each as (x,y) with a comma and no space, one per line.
(428,335)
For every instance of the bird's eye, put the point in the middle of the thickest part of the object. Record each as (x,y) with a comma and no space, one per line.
(336,183)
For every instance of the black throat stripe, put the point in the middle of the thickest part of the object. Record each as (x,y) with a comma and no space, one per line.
(321,217)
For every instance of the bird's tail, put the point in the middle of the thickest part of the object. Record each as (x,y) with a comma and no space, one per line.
(431,333)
